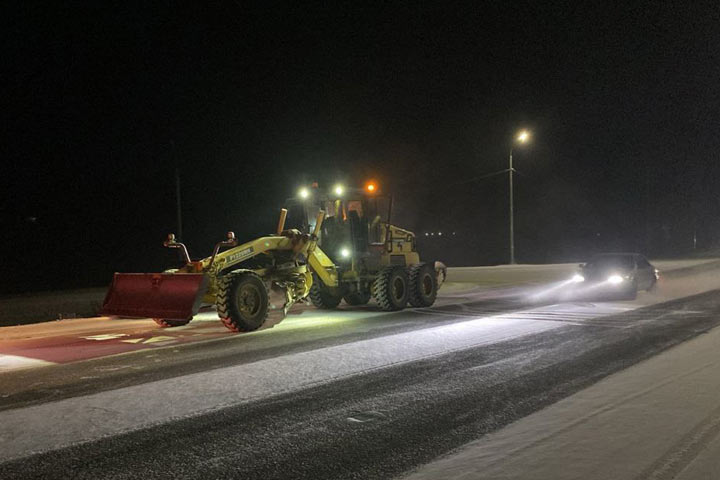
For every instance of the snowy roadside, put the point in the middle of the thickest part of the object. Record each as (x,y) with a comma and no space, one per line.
(48,306)
(659,419)
(501,275)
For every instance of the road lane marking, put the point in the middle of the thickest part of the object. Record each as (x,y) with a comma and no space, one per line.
(161,339)
(105,336)
(158,339)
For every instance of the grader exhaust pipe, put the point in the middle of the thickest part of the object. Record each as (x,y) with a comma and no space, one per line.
(281,222)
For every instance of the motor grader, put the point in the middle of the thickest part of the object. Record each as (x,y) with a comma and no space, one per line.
(254,284)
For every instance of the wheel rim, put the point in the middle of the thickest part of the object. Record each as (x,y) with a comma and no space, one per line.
(249,300)
(427,285)
(398,288)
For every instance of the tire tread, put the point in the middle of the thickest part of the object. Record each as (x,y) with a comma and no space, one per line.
(381,289)
(321,298)
(415,297)
(223,302)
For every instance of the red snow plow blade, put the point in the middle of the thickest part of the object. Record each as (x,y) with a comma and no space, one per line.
(172,296)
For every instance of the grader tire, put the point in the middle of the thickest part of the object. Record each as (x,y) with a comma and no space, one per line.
(357,298)
(391,288)
(422,285)
(242,302)
(168,323)
(321,297)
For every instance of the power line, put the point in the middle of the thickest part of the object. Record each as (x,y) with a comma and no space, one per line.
(469,180)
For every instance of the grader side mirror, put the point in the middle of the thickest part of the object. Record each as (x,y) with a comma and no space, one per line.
(230,242)
(172,243)
(170,240)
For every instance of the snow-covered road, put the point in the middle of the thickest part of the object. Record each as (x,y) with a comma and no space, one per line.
(659,419)
(474,348)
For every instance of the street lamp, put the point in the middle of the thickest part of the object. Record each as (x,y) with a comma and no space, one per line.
(523,136)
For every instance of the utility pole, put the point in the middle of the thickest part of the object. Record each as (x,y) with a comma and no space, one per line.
(178,200)
(512,212)
(178,204)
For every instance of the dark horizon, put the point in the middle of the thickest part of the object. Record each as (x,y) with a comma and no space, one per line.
(251,102)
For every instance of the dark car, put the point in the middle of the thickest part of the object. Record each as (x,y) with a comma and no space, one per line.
(616,274)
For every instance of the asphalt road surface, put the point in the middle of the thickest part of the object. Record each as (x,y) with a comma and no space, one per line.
(355,393)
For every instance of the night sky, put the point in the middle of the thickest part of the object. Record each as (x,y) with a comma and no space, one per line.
(101,103)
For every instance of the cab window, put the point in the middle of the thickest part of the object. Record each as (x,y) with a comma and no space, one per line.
(355,206)
(642,262)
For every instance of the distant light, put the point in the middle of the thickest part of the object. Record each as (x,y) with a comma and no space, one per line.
(440,234)
(615,279)
(370,187)
(339,189)
(345,253)
(577,278)
(523,136)
(427,234)
(432,233)
(304,193)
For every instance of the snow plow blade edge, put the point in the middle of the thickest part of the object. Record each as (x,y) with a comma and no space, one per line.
(173,296)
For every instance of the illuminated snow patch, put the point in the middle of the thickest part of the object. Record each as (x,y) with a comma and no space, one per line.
(73,420)
(14,362)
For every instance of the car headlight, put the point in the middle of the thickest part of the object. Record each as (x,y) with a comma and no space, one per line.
(577,278)
(615,279)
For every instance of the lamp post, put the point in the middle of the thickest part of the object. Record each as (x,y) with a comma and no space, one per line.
(522,137)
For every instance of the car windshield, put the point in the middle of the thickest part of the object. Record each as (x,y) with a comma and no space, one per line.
(611,261)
